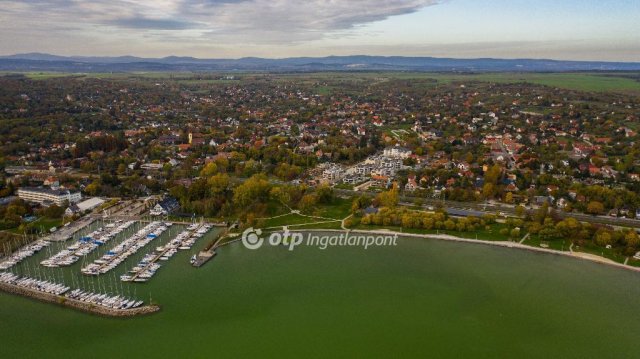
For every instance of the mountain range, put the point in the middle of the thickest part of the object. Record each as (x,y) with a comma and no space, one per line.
(47,62)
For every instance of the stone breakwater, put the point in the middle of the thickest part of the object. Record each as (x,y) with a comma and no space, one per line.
(76,304)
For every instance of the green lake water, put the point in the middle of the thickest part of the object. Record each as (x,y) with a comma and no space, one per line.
(422,298)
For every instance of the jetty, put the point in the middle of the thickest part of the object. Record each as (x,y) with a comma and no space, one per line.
(148,265)
(208,252)
(86,245)
(125,249)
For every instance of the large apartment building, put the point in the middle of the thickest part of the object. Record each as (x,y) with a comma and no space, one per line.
(46,196)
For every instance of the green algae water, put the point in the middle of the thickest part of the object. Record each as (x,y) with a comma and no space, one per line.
(422,298)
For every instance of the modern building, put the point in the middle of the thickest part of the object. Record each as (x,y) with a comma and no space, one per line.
(333,173)
(397,152)
(47,196)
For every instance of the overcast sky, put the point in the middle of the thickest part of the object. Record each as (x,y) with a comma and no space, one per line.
(559,29)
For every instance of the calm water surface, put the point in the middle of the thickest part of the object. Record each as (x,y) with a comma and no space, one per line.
(421,298)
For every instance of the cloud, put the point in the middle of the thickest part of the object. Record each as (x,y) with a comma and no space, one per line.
(259,21)
(141,22)
(293,20)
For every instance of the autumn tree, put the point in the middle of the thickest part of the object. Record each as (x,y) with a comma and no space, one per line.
(254,189)
(388,198)
(595,207)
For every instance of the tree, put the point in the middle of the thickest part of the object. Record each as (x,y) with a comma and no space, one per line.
(209,170)
(256,188)
(632,239)
(360,203)
(493,174)
(542,212)
(122,169)
(280,195)
(488,190)
(308,202)
(450,225)
(388,198)
(54,211)
(603,238)
(325,194)
(568,228)
(508,198)
(218,183)
(93,188)
(595,207)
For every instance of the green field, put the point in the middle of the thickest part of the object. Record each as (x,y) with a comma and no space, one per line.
(587,81)
(573,81)
(590,82)
(337,210)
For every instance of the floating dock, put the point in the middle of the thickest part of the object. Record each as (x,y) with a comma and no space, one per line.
(191,234)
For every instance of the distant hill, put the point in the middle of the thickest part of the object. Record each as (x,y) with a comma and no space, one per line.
(47,62)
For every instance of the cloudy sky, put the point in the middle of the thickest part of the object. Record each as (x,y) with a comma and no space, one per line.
(559,29)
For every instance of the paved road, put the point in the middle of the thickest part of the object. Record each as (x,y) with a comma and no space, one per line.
(479,209)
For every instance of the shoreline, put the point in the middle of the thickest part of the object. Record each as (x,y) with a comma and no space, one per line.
(504,244)
(76,304)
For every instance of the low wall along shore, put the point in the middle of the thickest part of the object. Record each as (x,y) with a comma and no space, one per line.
(76,304)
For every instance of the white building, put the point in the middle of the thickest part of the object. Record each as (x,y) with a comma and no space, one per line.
(84,206)
(48,195)
(397,152)
(333,173)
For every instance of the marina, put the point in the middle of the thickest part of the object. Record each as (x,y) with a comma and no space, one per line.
(86,244)
(23,253)
(148,266)
(125,249)
(81,273)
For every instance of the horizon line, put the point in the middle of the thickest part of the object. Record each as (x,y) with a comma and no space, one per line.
(313,57)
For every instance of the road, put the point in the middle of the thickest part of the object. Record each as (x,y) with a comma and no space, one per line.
(479,209)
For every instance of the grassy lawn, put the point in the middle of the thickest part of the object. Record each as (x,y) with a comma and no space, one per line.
(288,219)
(633,262)
(332,225)
(339,209)
(47,223)
(556,244)
(42,223)
(602,252)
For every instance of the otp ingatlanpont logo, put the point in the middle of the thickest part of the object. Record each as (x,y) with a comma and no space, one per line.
(251,239)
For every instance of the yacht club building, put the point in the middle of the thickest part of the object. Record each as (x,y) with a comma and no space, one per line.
(46,196)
